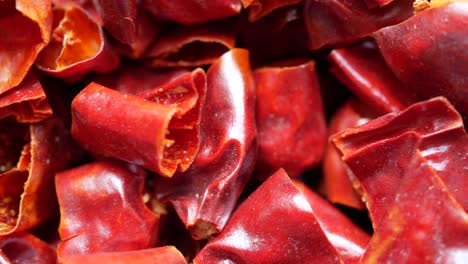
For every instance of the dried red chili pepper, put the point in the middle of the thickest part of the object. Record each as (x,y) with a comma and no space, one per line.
(427,53)
(102,210)
(166,254)
(379,167)
(376,3)
(27,102)
(205,195)
(363,70)
(336,184)
(349,240)
(275,224)
(290,119)
(193,45)
(193,11)
(77,47)
(119,18)
(23,247)
(167,117)
(261,8)
(18,19)
(423,223)
(337,22)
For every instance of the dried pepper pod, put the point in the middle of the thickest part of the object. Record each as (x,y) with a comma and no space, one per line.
(189,46)
(269,39)
(275,224)
(376,3)
(424,223)
(337,22)
(119,18)
(363,70)
(18,19)
(27,102)
(379,167)
(205,195)
(77,47)
(336,184)
(260,8)
(290,118)
(428,53)
(191,12)
(23,247)
(166,254)
(39,150)
(157,129)
(102,210)
(348,239)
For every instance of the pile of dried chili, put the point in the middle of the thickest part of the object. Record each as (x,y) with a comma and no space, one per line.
(233,131)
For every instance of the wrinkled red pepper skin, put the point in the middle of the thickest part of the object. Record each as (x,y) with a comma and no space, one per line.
(190,46)
(78,46)
(348,239)
(102,210)
(379,168)
(20,18)
(275,224)
(191,12)
(23,247)
(336,22)
(364,71)
(428,53)
(167,118)
(260,8)
(336,184)
(119,17)
(157,255)
(290,119)
(205,195)
(423,223)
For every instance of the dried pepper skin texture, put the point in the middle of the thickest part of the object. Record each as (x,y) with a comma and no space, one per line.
(119,17)
(336,184)
(102,210)
(348,239)
(364,71)
(337,22)
(27,192)
(275,224)
(78,46)
(290,118)
(23,247)
(17,53)
(27,102)
(205,195)
(191,12)
(424,223)
(189,46)
(443,144)
(414,48)
(260,8)
(167,118)
(157,255)
(376,3)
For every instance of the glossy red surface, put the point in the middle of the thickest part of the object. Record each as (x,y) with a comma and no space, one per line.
(205,195)
(23,247)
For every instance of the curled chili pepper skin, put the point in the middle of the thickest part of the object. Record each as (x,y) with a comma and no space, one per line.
(275,224)
(23,247)
(337,22)
(290,118)
(205,195)
(102,210)
(167,118)
(78,46)
(20,18)
(379,167)
(414,50)
(166,254)
(260,8)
